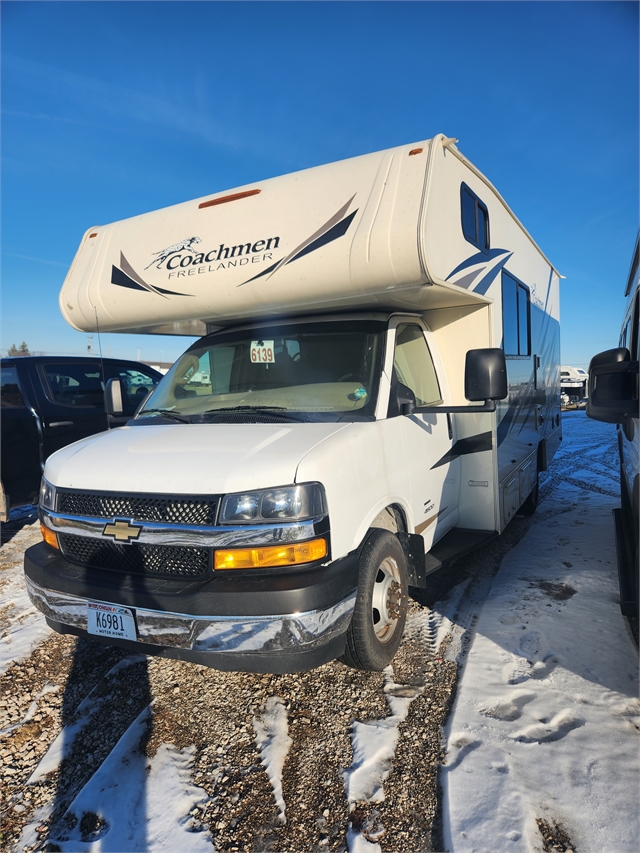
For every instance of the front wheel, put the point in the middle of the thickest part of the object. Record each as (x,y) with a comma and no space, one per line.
(380,611)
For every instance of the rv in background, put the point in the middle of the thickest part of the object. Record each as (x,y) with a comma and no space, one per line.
(376,391)
(574,383)
(613,379)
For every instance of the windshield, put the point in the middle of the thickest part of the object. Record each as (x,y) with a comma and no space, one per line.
(317,371)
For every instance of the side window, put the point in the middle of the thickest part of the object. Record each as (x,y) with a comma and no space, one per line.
(624,336)
(475,218)
(11,394)
(414,366)
(135,386)
(516,316)
(78,385)
(635,329)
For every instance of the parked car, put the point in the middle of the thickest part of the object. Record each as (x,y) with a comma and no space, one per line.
(51,401)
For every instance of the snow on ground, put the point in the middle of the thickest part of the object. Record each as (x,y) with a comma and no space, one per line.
(272,736)
(85,715)
(374,745)
(21,625)
(546,719)
(133,803)
(544,727)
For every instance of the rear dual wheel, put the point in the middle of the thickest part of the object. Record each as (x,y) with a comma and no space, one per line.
(380,611)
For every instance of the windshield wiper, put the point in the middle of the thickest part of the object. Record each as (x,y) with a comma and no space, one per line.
(167,413)
(247,409)
(275,411)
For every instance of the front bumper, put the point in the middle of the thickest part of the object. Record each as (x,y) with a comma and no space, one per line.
(285,622)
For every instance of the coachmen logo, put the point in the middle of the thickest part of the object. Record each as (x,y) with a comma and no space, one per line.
(122,530)
(184,259)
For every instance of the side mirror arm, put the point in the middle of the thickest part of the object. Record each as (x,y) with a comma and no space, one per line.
(410,409)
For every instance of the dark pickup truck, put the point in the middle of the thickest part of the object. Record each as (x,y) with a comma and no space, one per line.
(49,402)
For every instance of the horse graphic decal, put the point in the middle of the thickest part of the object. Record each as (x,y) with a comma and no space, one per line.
(163,254)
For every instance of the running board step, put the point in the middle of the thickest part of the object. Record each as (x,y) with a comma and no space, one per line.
(454,544)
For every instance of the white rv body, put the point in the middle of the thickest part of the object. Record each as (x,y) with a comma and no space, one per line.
(384,241)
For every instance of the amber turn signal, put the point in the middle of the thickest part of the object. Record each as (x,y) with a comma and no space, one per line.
(49,536)
(263,558)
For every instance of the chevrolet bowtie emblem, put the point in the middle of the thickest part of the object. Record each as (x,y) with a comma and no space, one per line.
(122,530)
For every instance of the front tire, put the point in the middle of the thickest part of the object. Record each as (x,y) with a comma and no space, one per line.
(380,611)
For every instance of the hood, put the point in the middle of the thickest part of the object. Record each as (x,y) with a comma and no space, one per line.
(187,459)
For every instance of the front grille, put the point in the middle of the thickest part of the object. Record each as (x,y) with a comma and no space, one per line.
(172,510)
(136,558)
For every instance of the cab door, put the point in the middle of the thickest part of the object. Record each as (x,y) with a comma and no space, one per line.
(71,401)
(427,438)
(20,452)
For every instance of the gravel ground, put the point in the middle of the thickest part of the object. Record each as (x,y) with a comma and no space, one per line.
(213,713)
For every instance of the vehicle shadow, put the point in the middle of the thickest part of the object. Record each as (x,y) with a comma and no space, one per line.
(105,727)
(11,528)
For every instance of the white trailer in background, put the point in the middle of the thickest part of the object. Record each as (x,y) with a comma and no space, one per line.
(272,517)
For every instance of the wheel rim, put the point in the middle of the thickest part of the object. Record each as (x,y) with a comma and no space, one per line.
(387,601)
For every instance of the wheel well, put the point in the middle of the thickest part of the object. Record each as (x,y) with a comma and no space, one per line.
(390,518)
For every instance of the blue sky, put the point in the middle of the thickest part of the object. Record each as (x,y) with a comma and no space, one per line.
(110,109)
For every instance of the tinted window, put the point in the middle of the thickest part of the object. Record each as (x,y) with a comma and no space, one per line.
(483,226)
(78,385)
(468,215)
(11,394)
(475,218)
(624,335)
(135,387)
(516,333)
(414,366)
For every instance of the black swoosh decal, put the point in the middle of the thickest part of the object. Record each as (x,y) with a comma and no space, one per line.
(123,280)
(472,444)
(330,231)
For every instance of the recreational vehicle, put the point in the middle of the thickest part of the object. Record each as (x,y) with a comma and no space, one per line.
(613,378)
(375,391)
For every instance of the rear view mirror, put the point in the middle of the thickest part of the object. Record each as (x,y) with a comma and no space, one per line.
(113,404)
(613,387)
(485,378)
(485,375)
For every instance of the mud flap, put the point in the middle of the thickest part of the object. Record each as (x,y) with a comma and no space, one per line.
(413,547)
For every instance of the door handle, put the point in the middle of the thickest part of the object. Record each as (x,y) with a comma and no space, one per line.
(60,423)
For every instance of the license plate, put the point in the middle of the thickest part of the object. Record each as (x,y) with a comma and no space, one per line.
(111,620)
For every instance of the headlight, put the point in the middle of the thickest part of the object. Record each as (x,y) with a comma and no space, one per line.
(47,495)
(241,507)
(288,503)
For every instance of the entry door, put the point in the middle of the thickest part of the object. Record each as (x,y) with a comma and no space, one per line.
(428,439)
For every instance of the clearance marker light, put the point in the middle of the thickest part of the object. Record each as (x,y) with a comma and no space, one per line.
(263,558)
(226,198)
(49,536)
